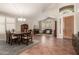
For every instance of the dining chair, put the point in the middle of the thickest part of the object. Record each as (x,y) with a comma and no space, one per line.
(7,36)
(29,36)
(13,38)
(25,39)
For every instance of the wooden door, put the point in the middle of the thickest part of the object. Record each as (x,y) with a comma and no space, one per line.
(68,26)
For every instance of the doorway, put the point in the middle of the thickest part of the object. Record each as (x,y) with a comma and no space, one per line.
(68,26)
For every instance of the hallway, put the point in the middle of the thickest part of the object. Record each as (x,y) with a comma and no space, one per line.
(50,46)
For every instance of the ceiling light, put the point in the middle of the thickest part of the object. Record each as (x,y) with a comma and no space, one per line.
(21,19)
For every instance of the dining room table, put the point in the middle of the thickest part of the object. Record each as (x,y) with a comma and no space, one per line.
(19,36)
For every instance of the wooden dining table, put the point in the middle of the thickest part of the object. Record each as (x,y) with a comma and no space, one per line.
(19,36)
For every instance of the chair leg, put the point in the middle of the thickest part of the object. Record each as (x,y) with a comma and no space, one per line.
(27,42)
(31,40)
(19,42)
(11,43)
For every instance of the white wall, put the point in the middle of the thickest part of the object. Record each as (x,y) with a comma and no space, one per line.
(77,17)
(77,22)
(2,24)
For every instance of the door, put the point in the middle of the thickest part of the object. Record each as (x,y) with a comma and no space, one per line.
(68,26)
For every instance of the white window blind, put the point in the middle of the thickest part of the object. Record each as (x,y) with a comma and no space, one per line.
(2,28)
(6,23)
(10,20)
(2,24)
(10,26)
(2,19)
(10,23)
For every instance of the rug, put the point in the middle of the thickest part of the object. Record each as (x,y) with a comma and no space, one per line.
(6,49)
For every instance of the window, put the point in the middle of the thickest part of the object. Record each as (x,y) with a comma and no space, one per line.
(10,23)
(10,26)
(10,20)
(2,24)
(6,23)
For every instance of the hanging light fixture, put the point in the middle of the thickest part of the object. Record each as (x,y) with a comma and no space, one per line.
(21,19)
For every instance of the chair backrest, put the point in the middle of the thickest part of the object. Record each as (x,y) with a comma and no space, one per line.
(8,35)
(24,27)
(29,32)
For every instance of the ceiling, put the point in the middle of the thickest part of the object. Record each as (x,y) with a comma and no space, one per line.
(23,9)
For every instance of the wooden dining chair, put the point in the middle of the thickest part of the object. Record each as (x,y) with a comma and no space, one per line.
(25,39)
(7,36)
(29,36)
(13,39)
